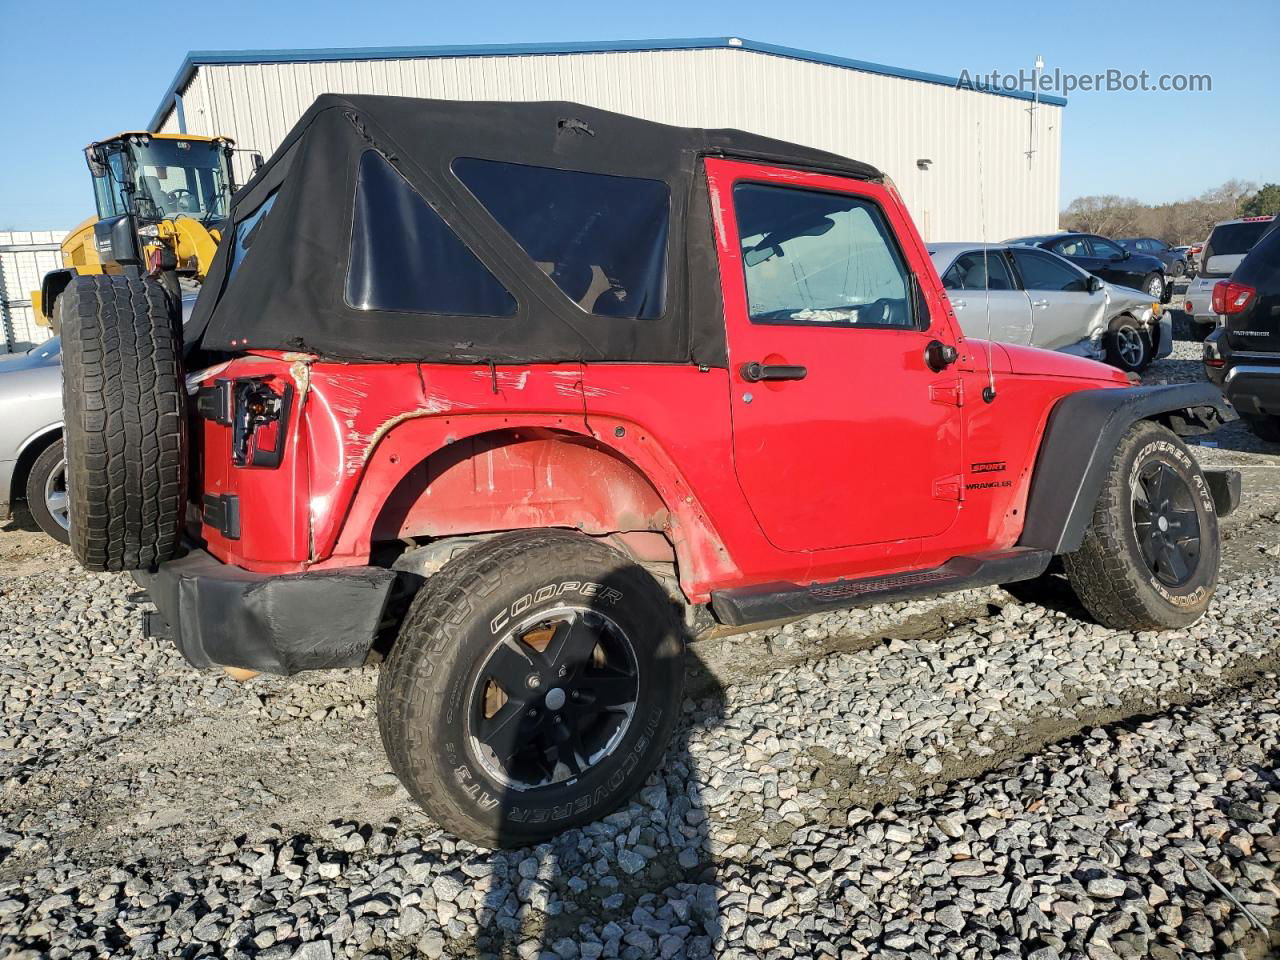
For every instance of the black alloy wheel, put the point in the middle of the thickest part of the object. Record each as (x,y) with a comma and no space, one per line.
(554,698)
(1166,524)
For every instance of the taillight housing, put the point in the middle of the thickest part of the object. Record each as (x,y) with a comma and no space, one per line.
(1231,298)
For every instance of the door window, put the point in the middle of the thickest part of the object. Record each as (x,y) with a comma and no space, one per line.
(1042,272)
(1072,247)
(820,258)
(1106,249)
(973,271)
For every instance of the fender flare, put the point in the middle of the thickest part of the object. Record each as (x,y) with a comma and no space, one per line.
(1075,451)
(53,283)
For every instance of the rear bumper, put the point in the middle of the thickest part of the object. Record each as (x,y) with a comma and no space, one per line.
(1253,388)
(221,615)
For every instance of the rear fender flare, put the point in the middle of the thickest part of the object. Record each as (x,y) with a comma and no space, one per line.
(700,553)
(1079,439)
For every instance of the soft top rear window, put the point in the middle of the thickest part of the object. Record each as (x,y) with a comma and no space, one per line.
(602,239)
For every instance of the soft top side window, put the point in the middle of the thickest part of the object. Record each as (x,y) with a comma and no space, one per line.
(405,258)
(247,231)
(602,239)
(821,258)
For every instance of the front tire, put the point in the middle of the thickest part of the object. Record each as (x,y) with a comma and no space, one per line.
(533,687)
(1127,344)
(47,492)
(1154,286)
(1149,560)
(1179,268)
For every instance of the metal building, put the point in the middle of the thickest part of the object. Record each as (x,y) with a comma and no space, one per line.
(932,137)
(25,257)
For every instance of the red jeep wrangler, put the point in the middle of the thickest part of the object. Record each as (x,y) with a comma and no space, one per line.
(523,395)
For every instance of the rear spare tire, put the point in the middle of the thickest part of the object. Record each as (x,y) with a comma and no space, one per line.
(1149,560)
(124,405)
(533,687)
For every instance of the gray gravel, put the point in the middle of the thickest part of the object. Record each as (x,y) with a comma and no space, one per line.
(987,775)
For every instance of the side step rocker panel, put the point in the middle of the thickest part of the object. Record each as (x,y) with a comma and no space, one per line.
(783,601)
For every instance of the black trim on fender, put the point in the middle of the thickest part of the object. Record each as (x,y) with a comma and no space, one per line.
(1078,444)
(783,601)
(219,614)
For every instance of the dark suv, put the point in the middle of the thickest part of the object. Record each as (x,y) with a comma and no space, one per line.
(1106,259)
(1242,355)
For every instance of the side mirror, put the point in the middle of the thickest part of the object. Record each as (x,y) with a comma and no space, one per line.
(257,161)
(97,167)
(1095,284)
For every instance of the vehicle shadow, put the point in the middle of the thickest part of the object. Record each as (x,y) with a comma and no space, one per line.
(20,521)
(640,881)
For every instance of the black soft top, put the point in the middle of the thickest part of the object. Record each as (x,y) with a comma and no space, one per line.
(288,291)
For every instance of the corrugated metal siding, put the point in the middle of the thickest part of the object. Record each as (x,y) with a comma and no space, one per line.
(888,121)
(25,257)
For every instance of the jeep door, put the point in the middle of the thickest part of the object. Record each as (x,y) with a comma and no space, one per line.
(986,297)
(1063,309)
(842,433)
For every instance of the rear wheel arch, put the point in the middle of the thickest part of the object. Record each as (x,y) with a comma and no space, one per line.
(32,448)
(601,490)
(1079,440)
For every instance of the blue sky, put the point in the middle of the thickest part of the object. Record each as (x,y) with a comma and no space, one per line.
(68,78)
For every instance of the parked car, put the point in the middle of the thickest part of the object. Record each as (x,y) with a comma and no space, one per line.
(1242,355)
(32,465)
(600,383)
(1039,299)
(1187,252)
(1226,247)
(1193,258)
(1106,259)
(1173,258)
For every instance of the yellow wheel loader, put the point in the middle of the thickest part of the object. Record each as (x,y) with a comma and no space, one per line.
(161,198)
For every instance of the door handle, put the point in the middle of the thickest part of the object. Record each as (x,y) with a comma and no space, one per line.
(1042,304)
(959,304)
(755,372)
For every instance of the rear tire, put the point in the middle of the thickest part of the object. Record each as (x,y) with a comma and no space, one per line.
(1138,567)
(533,687)
(1128,346)
(1179,269)
(124,405)
(47,492)
(1263,427)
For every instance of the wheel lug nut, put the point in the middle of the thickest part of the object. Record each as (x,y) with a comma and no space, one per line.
(533,681)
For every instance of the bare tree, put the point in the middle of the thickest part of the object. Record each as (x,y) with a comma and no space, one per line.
(1180,222)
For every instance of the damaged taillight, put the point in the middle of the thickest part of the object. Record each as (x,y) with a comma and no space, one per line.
(257,411)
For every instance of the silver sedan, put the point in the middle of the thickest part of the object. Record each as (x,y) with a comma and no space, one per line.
(32,467)
(1032,297)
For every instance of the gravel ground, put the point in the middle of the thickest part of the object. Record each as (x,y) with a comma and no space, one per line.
(983,775)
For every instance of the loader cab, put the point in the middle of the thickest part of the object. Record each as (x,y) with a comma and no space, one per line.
(141,180)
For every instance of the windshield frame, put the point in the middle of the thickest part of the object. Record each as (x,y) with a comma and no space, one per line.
(130,161)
